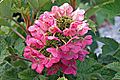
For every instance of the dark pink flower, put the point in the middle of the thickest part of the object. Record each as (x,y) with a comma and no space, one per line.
(84,28)
(67,9)
(75,24)
(38,67)
(66,45)
(52,38)
(54,58)
(38,60)
(35,30)
(48,19)
(51,61)
(78,14)
(41,25)
(80,27)
(54,29)
(53,69)
(55,52)
(69,66)
(64,48)
(84,31)
(69,32)
(57,11)
(30,52)
(82,55)
(87,41)
(39,63)
(64,10)
(70,51)
(33,42)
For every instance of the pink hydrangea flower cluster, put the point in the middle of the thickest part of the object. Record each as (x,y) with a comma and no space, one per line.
(57,39)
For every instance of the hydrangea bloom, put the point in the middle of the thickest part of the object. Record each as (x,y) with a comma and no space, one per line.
(57,39)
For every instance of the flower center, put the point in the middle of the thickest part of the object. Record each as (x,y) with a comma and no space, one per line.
(64,22)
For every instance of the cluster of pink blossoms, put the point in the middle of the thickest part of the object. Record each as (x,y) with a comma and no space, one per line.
(57,39)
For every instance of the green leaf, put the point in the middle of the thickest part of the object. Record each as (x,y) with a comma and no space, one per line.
(108,50)
(106,59)
(5,29)
(99,2)
(4,22)
(3,49)
(87,68)
(110,45)
(100,17)
(114,66)
(19,6)
(27,74)
(34,4)
(112,9)
(53,77)
(92,11)
(47,6)
(42,77)
(5,8)
(3,67)
(117,54)
(106,73)
(117,76)
(20,3)
(20,63)
(10,39)
(37,4)
(10,74)
(60,2)
(19,46)
(97,7)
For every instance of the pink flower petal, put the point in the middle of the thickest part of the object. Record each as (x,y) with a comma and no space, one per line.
(52,61)
(69,32)
(67,9)
(54,29)
(34,65)
(64,48)
(70,70)
(52,38)
(78,14)
(53,51)
(39,68)
(53,70)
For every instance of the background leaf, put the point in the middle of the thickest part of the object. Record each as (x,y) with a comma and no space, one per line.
(5,8)
(27,74)
(114,66)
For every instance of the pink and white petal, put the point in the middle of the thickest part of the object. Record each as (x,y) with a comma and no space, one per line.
(64,48)
(39,68)
(70,70)
(53,51)
(78,14)
(34,66)
(52,61)
(52,38)
(53,70)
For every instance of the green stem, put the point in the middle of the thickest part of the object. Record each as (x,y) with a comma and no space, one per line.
(22,58)
(21,26)
(18,34)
